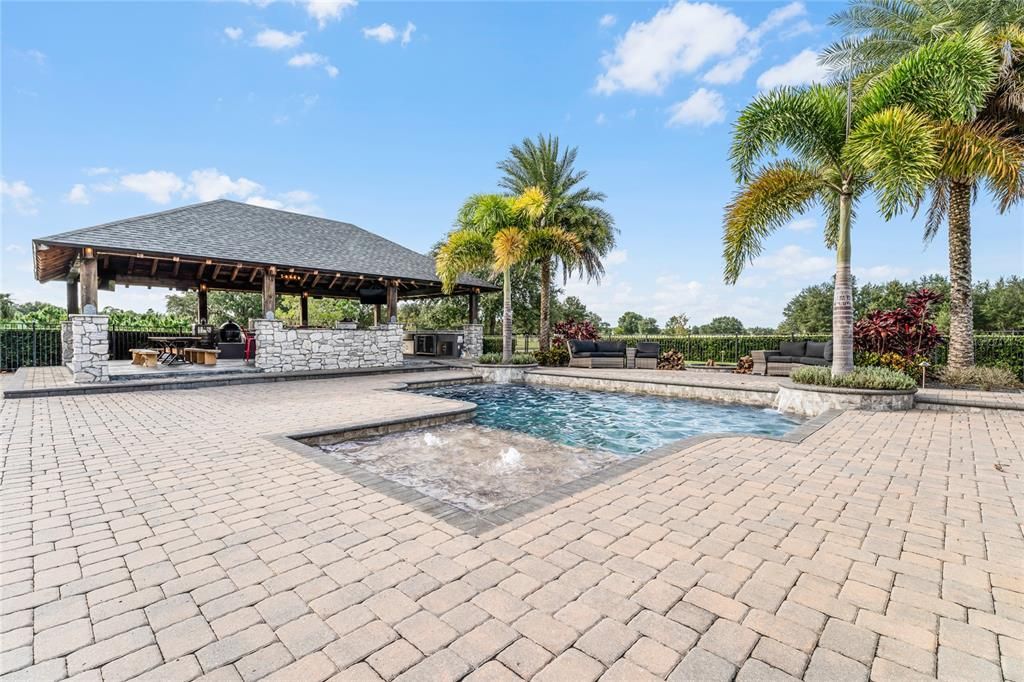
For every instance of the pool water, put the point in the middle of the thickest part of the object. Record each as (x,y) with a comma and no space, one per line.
(623,424)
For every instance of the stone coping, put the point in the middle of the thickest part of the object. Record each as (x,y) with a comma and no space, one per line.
(676,381)
(977,403)
(478,523)
(14,389)
(486,365)
(816,388)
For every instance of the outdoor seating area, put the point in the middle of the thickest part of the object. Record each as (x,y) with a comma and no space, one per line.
(790,355)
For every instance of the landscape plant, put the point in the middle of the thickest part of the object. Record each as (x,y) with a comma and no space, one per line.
(908,332)
(887,138)
(571,206)
(982,147)
(985,378)
(876,378)
(499,359)
(501,232)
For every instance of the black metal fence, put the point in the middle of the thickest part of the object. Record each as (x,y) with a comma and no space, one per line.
(31,344)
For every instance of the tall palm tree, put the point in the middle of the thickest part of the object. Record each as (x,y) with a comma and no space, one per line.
(501,232)
(984,149)
(571,206)
(840,147)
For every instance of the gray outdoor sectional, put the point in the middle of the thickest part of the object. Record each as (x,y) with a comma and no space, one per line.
(790,355)
(597,354)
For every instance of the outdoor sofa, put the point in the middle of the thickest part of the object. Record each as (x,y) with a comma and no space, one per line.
(790,355)
(597,354)
(647,354)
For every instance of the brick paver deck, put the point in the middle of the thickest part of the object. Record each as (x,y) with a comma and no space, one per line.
(163,534)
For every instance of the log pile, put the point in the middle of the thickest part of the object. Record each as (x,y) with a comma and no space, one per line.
(745,365)
(672,359)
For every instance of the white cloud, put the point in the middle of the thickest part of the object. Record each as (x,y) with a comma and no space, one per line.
(14,248)
(802,224)
(704,107)
(77,195)
(407,32)
(777,18)
(731,70)
(607,20)
(36,56)
(297,201)
(880,273)
(307,59)
(792,261)
(98,170)
(326,11)
(233,33)
(20,195)
(272,39)
(601,119)
(157,186)
(616,257)
(209,184)
(384,33)
(311,59)
(677,40)
(800,70)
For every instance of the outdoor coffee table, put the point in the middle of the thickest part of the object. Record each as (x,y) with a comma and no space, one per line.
(172,348)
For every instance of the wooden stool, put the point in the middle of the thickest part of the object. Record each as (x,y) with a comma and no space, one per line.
(202,356)
(144,357)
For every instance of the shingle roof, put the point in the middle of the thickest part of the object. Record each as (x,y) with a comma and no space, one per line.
(233,231)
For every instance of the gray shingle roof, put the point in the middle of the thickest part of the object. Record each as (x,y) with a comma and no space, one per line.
(234,231)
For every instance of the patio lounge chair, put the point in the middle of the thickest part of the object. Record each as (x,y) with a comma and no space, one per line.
(790,355)
(597,354)
(647,354)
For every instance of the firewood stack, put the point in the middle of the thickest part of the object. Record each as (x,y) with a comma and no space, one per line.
(672,359)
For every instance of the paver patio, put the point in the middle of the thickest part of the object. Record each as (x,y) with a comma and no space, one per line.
(164,534)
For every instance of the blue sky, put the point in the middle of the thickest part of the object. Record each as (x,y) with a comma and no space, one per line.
(389,114)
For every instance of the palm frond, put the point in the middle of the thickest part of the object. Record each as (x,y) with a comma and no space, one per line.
(772,196)
(464,251)
(899,147)
(937,209)
(509,247)
(983,151)
(950,78)
(808,120)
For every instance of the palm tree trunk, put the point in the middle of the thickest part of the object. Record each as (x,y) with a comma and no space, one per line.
(506,320)
(961,305)
(842,301)
(545,304)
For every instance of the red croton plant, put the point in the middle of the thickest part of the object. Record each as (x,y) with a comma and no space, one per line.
(580,330)
(907,332)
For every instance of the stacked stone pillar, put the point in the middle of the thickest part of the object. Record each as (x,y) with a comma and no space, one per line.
(90,350)
(472,341)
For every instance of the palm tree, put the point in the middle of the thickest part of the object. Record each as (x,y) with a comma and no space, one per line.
(501,232)
(571,206)
(985,148)
(841,146)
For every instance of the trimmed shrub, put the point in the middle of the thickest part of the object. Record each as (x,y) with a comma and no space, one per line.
(985,378)
(495,359)
(558,356)
(877,378)
(908,332)
(894,361)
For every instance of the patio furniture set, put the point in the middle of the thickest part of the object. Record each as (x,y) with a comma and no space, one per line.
(613,354)
(170,350)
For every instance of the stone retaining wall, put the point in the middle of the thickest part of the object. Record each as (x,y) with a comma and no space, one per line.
(90,350)
(503,374)
(810,401)
(344,347)
(715,393)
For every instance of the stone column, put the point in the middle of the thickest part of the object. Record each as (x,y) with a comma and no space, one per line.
(270,341)
(473,341)
(90,350)
(67,349)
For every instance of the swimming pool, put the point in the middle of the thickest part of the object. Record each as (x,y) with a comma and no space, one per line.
(624,424)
